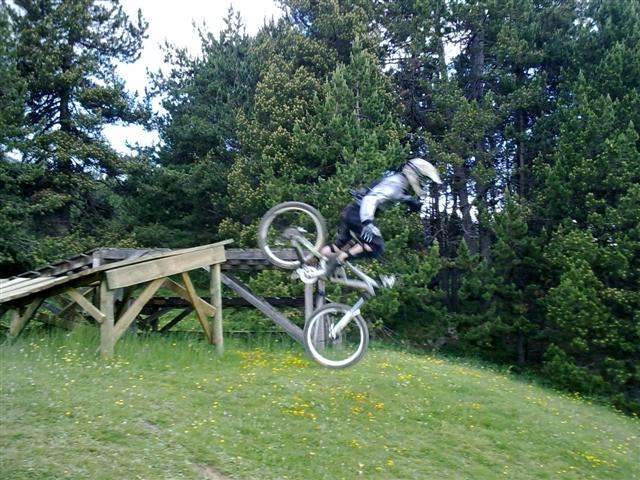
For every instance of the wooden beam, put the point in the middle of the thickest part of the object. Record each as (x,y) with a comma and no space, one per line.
(107,340)
(86,305)
(200,313)
(19,321)
(229,302)
(176,319)
(241,289)
(320,332)
(130,315)
(163,267)
(216,300)
(181,291)
(308,301)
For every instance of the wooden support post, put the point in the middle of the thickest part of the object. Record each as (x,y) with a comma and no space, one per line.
(308,301)
(309,307)
(107,340)
(321,292)
(216,301)
(195,301)
(19,321)
(322,332)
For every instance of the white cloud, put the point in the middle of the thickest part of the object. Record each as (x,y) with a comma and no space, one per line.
(172,21)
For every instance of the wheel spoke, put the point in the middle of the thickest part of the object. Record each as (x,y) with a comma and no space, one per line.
(280,227)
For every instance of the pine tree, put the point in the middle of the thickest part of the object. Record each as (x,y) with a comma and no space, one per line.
(12,118)
(587,195)
(66,90)
(184,201)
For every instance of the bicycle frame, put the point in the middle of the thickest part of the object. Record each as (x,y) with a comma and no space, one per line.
(366,283)
(346,318)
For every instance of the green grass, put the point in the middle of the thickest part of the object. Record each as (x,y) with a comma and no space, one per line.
(167,407)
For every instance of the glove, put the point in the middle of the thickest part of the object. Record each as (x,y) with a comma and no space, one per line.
(414,204)
(369,232)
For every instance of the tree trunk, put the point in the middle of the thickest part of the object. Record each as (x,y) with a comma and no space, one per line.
(460,189)
(520,345)
(522,167)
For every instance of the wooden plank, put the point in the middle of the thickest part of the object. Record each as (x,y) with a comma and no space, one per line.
(130,315)
(163,267)
(180,290)
(176,319)
(200,313)
(12,282)
(28,283)
(216,301)
(107,341)
(19,321)
(42,287)
(86,305)
(291,328)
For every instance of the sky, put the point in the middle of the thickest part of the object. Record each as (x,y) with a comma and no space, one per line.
(172,21)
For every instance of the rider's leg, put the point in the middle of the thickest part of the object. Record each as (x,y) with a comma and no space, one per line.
(328,250)
(358,250)
(354,251)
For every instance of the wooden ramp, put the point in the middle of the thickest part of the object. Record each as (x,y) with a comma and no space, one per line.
(94,286)
(101,283)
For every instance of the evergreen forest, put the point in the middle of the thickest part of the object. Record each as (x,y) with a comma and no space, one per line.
(527,255)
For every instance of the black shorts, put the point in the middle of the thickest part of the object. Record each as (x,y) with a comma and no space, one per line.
(350,222)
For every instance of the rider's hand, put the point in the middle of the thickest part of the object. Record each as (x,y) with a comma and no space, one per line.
(369,232)
(414,204)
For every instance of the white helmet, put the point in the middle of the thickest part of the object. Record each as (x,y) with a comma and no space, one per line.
(417,170)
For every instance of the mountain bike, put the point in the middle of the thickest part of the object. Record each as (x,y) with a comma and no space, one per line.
(335,335)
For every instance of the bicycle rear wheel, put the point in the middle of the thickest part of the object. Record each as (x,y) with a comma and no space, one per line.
(283,220)
(345,350)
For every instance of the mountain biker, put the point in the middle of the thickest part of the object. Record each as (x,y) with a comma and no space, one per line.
(358,216)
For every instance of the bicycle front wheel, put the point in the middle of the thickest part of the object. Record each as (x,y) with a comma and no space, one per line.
(347,348)
(277,224)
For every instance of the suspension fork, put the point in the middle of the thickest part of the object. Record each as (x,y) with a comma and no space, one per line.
(346,318)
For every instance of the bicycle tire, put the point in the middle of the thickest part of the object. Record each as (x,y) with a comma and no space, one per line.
(267,219)
(317,356)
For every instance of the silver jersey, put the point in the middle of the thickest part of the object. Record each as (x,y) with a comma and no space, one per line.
(390,189)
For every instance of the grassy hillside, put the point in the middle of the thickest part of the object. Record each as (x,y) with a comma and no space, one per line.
(168,408)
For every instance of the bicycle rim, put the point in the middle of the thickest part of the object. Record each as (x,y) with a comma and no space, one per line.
(290,216)
(345,350)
